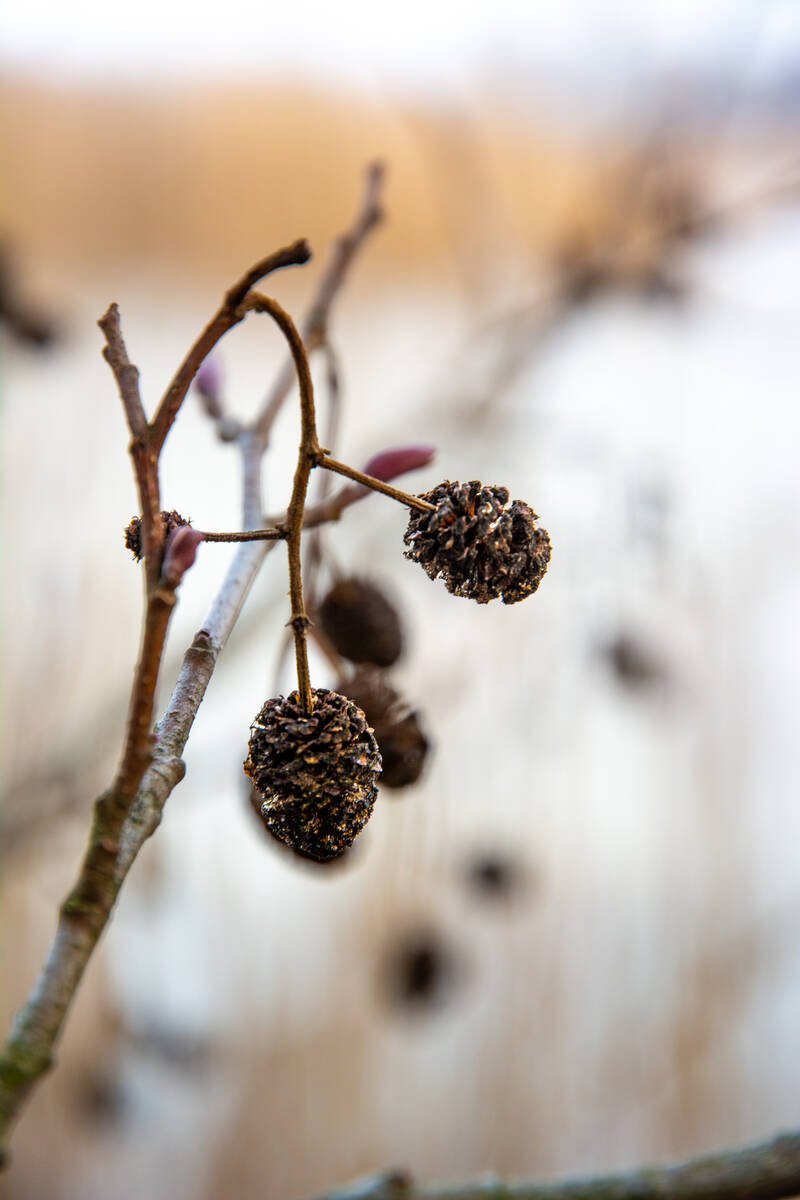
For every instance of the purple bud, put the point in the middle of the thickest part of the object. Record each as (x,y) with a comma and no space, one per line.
(388,464)
(179,553)
(208,384)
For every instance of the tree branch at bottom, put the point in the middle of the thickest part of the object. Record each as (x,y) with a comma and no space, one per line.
(766,1171)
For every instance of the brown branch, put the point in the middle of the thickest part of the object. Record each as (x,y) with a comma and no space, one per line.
(229,314)
(314,327)
(767,1171)
(145,463)
(125,373)
(307,455)
(247,535)
(27,1054)
(315,550)
(377,485)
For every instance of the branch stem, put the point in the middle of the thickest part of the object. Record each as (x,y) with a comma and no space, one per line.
(247,535)
(307,455)
(28,1052)
(377,485)
(232,310)
(145,462)
(766,1171)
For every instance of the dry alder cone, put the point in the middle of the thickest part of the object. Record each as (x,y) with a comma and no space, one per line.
(362,622)
(482,546)
(401,740)
(317,771)
(170,519)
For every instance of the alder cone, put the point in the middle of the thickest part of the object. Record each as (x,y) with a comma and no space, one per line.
(362,623)
(317,772)
(170,519)
(482,546)
(401,740)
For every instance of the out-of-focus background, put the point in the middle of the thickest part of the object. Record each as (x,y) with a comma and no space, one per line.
(573,944)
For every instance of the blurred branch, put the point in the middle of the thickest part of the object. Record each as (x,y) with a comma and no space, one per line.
(24,322)
(315,326)
(767,1171)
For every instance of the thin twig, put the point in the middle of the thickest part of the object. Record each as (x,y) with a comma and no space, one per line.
(316,548)
(229,314)
(314,327)
(247,535)
(377,485)
(125,373)
(767,1171)
(145,463)
(307,455)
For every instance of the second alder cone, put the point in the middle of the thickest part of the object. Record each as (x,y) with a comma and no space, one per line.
(361,622)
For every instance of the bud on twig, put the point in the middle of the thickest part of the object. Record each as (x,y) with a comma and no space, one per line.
(179,553)
(388,464)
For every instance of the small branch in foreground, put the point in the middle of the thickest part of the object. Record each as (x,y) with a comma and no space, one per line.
(766,1171)
(377,485)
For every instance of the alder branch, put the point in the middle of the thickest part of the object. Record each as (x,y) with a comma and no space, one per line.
(767,1171)
(27,1054)
(229,314)
(145,464)
(247,535)
(376,485)
(307,456)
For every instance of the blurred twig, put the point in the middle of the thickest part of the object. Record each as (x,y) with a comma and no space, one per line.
(315,326)
(767,1171)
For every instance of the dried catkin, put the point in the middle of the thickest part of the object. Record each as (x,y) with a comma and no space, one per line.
(482,546)
(317,772)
